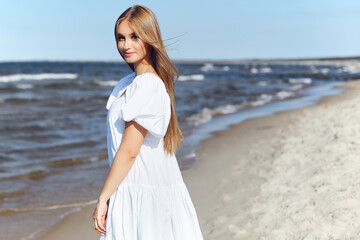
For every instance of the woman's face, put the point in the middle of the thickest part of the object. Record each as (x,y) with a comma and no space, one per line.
(131,48)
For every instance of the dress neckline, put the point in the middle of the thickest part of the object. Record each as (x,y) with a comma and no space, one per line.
(145,73)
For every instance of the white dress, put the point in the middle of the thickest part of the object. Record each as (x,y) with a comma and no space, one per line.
(152,202)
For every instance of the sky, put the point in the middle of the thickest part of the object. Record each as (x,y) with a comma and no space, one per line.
(78,30)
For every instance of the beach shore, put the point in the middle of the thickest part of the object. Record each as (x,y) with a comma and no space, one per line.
(290,175)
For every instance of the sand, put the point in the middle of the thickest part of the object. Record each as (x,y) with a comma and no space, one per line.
(291,175)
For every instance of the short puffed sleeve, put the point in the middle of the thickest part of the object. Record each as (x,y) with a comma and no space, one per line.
(148,104)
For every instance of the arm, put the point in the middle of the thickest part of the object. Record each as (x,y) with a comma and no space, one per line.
(124,158)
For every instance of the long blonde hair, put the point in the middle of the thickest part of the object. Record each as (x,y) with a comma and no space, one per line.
(146,27)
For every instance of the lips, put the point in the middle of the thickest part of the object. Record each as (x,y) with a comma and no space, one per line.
(128,54)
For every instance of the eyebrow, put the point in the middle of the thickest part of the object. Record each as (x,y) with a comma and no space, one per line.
(133,33)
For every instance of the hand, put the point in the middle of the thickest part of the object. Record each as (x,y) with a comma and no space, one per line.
(99,217)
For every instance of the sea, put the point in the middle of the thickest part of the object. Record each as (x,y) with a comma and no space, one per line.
(53,155)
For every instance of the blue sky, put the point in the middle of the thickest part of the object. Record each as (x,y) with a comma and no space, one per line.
(237,29)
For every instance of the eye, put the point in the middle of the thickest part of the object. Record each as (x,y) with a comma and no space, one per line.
(120,37)
(134,36)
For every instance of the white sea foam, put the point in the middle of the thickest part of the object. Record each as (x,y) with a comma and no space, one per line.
(210,67)
(262,99)
(207,114)
(295,87)
(300,80)
(24,86)
(38,76)
(226,68)
(254,70)
(196,77)
(284,94)
(228,108)
(266,97)
(350,69)
(200,118)
(265,70)
(262,83)
(207,67)
(52,207)
(110,83)
(324,71)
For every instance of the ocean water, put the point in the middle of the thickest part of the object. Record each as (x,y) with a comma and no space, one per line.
(53,157)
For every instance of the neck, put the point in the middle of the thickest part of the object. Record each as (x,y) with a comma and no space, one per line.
(139,71)
(143,67)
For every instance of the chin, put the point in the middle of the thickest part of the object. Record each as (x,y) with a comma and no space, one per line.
(129,60)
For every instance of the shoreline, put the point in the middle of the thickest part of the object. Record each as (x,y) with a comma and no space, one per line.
(236,181)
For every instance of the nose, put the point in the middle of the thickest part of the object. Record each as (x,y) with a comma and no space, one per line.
(126,44)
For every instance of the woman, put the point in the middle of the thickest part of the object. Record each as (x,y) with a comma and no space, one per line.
(144,196)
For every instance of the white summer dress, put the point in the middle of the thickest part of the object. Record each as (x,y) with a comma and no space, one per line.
(152,202)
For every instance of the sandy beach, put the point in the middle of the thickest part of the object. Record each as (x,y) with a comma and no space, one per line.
(291,175)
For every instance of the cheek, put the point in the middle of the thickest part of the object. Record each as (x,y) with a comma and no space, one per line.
(143,49)
(119,44)
(139,47)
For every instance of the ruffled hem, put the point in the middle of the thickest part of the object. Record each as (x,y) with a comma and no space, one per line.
(145,212)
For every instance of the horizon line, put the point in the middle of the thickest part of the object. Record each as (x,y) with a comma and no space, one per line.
(354,57)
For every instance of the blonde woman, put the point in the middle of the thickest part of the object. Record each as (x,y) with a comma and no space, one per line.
(144,196)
